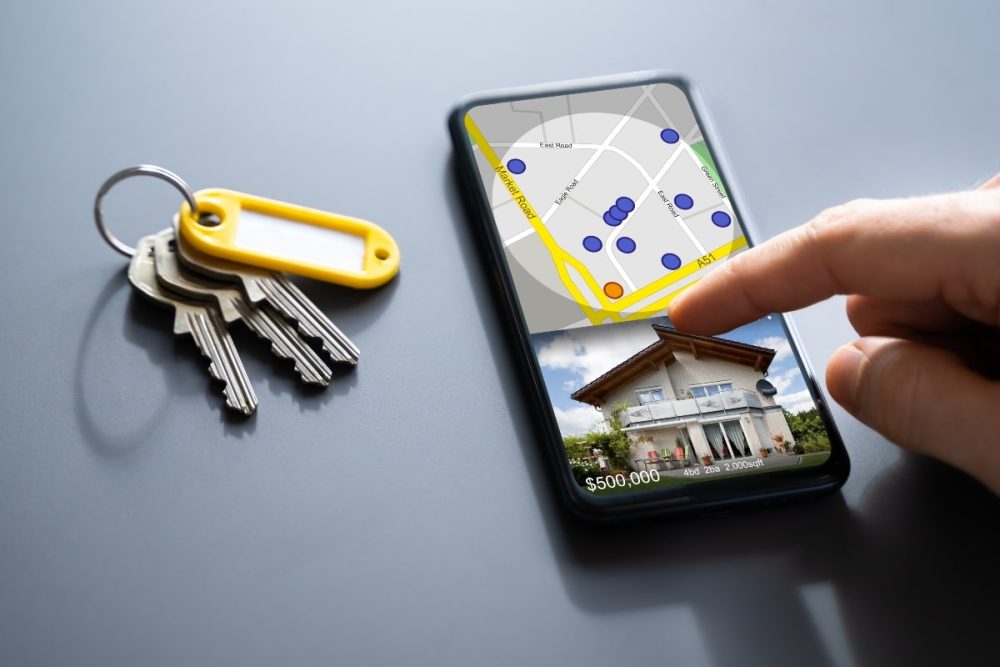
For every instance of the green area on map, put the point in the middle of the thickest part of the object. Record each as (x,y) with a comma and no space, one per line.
(701,150)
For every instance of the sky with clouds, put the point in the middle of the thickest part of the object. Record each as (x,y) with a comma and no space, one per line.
(573,357)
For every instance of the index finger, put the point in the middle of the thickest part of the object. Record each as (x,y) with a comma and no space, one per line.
(906,249)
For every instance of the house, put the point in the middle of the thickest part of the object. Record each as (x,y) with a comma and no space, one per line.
(687,397)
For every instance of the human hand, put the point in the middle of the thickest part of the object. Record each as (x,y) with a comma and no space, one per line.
(922,277)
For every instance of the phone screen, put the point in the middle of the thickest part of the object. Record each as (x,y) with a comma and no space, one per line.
(609,204)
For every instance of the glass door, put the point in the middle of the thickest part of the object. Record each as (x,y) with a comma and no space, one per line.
(727,439)
(736,437)
(717,441)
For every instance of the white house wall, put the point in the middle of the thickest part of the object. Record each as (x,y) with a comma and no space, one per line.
(776,424)
(677,377)
(687,371)
(751,433)
(763,432)
(699,441)
(651,377)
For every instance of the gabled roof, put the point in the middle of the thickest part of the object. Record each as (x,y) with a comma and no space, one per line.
(662,352)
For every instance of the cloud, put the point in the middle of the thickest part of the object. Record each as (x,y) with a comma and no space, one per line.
(577,421)
(797,401)
(783,380)
(780,345)
(571,385)
(563,352)
(591,351)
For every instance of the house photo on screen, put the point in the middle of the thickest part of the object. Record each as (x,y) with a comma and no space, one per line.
(645,397)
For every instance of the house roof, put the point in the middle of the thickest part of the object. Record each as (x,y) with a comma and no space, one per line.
(662,351)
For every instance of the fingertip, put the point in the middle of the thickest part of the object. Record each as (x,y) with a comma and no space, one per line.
(843,376)
(678,312)
(688,312)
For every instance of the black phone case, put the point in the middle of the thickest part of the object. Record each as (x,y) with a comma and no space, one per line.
(764,487)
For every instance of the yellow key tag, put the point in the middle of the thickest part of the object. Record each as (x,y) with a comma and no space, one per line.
(285,237)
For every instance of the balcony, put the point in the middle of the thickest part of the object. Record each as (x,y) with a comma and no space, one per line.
(687,409)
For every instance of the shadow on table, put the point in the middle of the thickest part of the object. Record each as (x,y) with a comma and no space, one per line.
(149,326)
(910,571)
(128,429)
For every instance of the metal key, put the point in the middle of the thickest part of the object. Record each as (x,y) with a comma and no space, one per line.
(276,289)
(263,320)
(203,321)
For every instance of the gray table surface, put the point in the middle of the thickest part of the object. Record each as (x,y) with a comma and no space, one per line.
(404,515)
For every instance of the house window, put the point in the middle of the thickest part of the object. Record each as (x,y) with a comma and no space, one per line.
(651,395)
(703,390)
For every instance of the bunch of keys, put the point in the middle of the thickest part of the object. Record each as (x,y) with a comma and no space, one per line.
(223,261)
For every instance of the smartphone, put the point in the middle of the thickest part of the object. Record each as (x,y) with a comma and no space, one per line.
(598,202)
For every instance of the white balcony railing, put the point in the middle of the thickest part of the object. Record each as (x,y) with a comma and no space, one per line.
(725,401)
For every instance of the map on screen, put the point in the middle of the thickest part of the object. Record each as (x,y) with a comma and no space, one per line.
(608,203)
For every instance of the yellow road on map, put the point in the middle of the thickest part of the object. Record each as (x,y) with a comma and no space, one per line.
(564,261)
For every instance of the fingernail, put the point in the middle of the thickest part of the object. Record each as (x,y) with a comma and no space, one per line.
(843,376)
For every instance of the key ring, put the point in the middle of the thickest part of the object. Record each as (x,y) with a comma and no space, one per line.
(140,170)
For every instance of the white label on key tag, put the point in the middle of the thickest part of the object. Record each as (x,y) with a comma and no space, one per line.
(270,235)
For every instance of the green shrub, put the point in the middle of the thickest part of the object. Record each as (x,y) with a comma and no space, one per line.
(576,446)
(799,449)
(819,442)
(582,469)
(614,443)
(805,424)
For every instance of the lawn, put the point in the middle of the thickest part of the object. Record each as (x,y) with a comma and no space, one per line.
(814,459)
